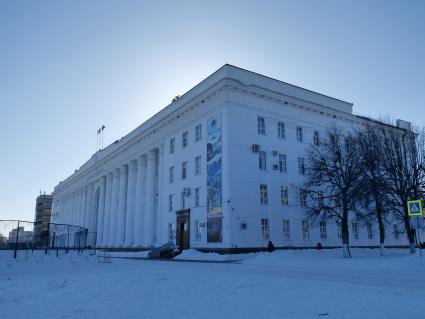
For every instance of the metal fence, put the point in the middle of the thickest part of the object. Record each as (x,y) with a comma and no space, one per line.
(22,235)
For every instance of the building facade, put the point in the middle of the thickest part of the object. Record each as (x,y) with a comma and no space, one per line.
(219,168)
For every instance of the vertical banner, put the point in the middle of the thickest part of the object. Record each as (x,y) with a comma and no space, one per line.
(214,188)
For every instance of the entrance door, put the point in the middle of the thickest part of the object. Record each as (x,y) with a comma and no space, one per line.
(183,229)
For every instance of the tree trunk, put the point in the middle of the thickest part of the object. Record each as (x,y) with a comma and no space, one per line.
(410,232)
(379,214)
(345,233)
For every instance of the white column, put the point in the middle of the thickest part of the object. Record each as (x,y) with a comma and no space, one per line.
(139,211)
(131,192)
(89,210)
(161,225)
(108,202)
(84,210)
(114,207)
(122,204)
(149,202)
(81,213)
(101,215)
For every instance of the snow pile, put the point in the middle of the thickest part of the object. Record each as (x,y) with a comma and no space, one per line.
(192,254)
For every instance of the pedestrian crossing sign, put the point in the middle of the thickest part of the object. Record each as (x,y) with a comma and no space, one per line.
(414,208)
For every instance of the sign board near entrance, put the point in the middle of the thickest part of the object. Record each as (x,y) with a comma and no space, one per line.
(414,208)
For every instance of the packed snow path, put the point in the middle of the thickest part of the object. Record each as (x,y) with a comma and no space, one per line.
(280,285)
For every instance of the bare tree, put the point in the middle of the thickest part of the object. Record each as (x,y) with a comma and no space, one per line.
(372,181)
(333,175)
(403,160)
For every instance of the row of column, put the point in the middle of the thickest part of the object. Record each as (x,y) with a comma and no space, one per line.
(122,206)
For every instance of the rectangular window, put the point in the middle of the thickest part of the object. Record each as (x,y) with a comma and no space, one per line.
(339,229)
(262,160)
(282,163)
(303,197)
(197,196)
(170,202)
(185,139)
(198,165)
(369,231)
(301,165)
(198,133)
(305,230)
(183,200)
(299,134)
(284,195)
(171,175)
(263,194)
(323,230)
(316,138)
(281,130)
(286,229)
(395,232)
(198,230)
(184,170)
(172,145)
(171,232)
(355,230)
(265,228)
(261,125)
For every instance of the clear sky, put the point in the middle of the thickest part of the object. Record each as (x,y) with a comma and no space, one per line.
(66,67)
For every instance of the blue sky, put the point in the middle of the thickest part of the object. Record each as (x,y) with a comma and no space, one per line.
(66,67)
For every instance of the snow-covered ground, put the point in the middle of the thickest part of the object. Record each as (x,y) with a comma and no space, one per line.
(284,284)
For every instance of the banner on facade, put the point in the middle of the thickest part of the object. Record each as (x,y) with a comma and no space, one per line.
(214,187)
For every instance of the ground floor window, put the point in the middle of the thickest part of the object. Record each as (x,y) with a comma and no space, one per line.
(305,229)
(171,232)
(265,228)
(286,229)
(395,231)
(339,229)
(355,230)
(369,231)
(198,230)
(323,230)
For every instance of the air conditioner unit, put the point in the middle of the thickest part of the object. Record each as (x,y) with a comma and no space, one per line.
(275,167)
(255,148)
(244,225)
(275,153)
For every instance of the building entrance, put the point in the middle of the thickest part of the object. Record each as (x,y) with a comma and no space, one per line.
(183,229)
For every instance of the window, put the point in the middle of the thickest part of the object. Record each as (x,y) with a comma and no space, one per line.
(355,230)
(316,138)
(299,134)
(198,230)
(281,130)
(395,232)
(262,160)
(261,125)
(172,145)
(171,175)
(284,195)
(301,165)
(339,229)
(198,133)
(303,197)
(305,230)
(183,200)
(197,165)
(263,194)
(369,231)
(171,232)
(170,202)
(320,198)
(197,196)
(286,229)
(184,170)
(185,139)
(282,163)
(265,228)
(323,231)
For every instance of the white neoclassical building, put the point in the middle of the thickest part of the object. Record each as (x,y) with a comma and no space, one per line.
(219,168)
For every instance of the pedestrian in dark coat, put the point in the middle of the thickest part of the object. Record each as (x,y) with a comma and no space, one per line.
(270,247)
